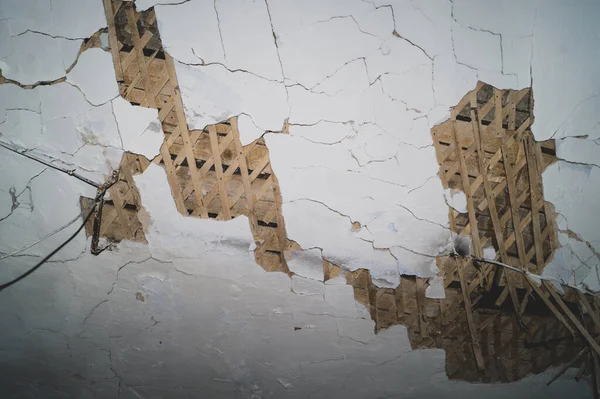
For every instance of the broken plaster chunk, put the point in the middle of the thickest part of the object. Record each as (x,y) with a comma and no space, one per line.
(304,224)
(249,132)
(172,235)
(189,31)
(32,57)
(456,199)
(489,253)
(139,127)
(435,288)
(212,94)
(307,263)
(94,75)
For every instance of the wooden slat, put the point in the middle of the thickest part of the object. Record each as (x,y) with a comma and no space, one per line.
(544,297)
(514,206)
(467,190)
(139,50)
(573,318)
(469,313)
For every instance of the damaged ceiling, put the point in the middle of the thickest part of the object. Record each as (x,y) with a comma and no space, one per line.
(383,160)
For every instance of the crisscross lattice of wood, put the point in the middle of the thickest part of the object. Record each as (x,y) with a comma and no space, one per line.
(487,151)
(210,173)
(120,212)
(509,352)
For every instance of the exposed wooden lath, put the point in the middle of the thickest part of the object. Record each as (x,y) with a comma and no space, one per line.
(120,212)
(487,151)
(210,173)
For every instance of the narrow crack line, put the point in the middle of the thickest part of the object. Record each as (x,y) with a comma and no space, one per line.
(346,17)
(398,35)
(591,97)
(421,219)
(214,63)
(93,310)
(578,163)
(424,183)
(219,27)
(170,4)
(323,204)
(86,99)
(52,36)
(36,84)
(112,110)
(335,72)
(279,58)
(15,197)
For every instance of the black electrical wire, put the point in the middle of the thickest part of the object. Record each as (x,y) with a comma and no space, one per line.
(41,262)
(50,165)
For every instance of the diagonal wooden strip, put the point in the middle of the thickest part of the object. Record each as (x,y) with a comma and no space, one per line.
(186,137)
(588,307)
(568,365)
(544,297)
(216,154)
(514,207)
(469,313)
(492,206)
(118,206)
(138,48)
(112,37)
(173,181)
(498,110)
(243,165)
(572,317)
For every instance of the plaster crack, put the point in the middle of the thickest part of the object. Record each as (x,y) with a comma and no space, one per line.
(279,58)
(220,33)
(16,204)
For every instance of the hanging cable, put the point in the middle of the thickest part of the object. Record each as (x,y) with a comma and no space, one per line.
(41,262)
(99,197)
(90,206)
(70,172)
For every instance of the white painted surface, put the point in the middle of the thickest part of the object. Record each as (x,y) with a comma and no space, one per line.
(361,102)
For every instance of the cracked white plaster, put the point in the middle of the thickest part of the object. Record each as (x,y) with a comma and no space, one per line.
(478,49)
(139,128)
(255,49)
(248,130)
(58,18)
(456,199)
(189,31)
(40,41)
(124,323)
(574,194)
(33,57)
(212,94)
(51,201)
(95,76)
(172,235)
(60,125)
(307,263)
(565,37)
